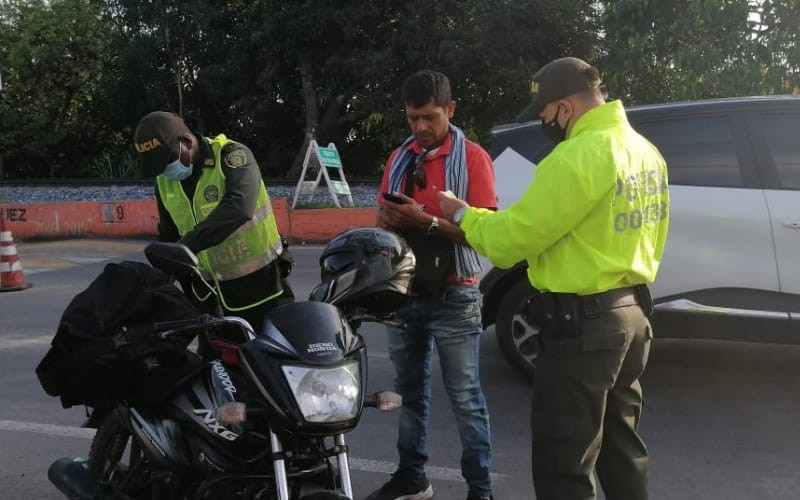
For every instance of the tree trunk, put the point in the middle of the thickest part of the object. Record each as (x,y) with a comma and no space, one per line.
(331,120)
(171,59)
(312,113)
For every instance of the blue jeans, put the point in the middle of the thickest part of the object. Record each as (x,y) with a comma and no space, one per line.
(454,324)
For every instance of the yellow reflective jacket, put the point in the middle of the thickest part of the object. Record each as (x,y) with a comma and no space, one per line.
(595,217)
(254,245)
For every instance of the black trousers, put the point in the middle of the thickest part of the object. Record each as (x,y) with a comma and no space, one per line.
(586,406)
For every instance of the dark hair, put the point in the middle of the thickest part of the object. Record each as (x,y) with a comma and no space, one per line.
(424,86)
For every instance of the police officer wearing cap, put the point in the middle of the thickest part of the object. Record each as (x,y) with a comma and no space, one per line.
(592,227)
(211,198)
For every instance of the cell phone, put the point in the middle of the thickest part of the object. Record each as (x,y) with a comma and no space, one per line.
(393,198)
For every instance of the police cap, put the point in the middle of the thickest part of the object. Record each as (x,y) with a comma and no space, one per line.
(556,80)
(156,140)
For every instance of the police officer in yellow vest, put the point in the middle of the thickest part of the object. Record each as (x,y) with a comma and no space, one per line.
(592,227)
(212,199)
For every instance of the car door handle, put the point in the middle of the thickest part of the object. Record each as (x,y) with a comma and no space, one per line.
(792,224)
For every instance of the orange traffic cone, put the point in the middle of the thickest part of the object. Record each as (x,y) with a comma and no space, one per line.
(11,277)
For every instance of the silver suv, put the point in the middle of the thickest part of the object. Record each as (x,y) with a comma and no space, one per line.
(731,267)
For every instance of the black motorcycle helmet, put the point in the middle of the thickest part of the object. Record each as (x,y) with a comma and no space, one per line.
(369,268)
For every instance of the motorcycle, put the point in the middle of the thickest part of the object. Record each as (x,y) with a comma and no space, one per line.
(265,416)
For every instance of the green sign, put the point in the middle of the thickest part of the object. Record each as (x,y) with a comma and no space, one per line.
(330,157)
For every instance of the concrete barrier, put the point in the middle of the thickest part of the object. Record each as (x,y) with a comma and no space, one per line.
(139,218)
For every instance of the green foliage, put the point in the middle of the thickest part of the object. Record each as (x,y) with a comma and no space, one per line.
(121,166)
(55,56)
(78,74)
(692,49)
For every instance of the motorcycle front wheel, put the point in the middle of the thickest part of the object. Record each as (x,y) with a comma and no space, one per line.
(108,465)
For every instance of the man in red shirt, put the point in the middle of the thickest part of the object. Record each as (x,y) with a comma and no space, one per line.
(446,309)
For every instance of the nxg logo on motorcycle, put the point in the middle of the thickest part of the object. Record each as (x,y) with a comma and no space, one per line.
(211,422)
(211,193)
(222,378)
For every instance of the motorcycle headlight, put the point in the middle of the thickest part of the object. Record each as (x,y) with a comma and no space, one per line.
(325,394)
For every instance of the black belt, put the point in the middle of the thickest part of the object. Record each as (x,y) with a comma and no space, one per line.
(596,303)
(561,314)
(592,305)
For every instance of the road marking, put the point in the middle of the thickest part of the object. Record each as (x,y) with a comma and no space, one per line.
(440,473)
(48,429)
(38,270)
(17,342)
(360,464)
(87,260)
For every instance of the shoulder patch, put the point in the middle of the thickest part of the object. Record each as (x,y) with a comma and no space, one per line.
(236,158)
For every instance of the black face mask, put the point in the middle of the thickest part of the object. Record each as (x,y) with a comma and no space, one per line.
(553,131)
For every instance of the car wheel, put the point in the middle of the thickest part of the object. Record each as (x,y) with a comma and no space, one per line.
(516,337)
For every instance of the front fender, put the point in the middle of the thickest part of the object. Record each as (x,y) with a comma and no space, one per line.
(494,286)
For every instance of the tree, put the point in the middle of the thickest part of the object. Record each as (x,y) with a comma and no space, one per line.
(351,58)
(692,49)
(54,56)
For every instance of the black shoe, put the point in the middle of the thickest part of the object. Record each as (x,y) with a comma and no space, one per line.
(475,496)
(403,487)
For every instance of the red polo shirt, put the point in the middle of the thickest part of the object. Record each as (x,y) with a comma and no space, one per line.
(480,183)
(480,186)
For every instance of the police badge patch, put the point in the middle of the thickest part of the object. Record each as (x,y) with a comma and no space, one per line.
(236,158)
(211,193)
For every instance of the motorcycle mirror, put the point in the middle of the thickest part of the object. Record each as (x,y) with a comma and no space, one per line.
(173,258)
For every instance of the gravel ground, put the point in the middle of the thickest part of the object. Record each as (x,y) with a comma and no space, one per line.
(363,195)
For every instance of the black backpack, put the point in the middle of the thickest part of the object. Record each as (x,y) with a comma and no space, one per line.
(106,331)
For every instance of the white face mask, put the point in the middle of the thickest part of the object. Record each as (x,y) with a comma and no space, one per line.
(177,171)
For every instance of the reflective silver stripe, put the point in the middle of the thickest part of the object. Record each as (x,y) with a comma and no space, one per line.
(686,305)
(260,214)
(249,267)
(6,267)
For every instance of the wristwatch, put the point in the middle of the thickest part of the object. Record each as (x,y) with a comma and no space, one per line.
(458,216)
(433,228)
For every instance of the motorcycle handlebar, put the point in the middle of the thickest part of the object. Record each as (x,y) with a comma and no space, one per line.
(168,329)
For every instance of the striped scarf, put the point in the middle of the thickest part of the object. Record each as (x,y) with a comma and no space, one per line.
(456,180)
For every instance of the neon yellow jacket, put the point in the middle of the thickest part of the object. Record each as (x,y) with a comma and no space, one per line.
(594,219)
(254,245)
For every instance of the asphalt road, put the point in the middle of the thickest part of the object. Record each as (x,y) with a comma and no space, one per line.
(720,418)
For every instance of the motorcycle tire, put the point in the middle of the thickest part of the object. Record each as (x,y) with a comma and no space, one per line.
(107,466)
(516,337)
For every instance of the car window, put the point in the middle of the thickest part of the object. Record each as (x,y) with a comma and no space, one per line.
(699,150)
(782,134)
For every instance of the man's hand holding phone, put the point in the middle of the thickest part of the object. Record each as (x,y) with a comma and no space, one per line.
(393,198)
(401,211)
